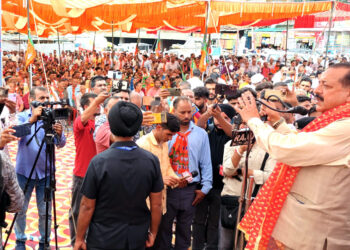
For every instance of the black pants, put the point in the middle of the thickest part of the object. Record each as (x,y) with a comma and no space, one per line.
(75,205)
(179,206)
(206,222)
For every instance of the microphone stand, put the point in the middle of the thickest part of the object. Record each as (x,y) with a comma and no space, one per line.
(242,199)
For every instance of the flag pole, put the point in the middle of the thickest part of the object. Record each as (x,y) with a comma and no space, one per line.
(158,45)
(59,48)
(137,46)
(206,32)
(28,27)
(19,42)
(286,49)
(112,37)
(329,33)
(93,45)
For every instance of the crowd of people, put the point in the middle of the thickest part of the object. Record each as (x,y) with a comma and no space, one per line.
(154,153)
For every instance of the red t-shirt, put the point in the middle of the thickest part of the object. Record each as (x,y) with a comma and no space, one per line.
(84,145)
(103,137)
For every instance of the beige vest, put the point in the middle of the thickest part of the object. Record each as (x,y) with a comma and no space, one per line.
(316,213)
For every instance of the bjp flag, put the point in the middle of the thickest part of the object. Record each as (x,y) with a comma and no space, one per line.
(158,48)
(30,53)
(203,61)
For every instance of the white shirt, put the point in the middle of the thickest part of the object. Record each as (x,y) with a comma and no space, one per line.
(195,82)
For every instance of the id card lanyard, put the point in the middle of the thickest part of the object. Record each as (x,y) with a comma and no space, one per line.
(127,148)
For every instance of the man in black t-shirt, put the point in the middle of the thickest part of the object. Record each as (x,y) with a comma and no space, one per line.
(206,219)
(115,189)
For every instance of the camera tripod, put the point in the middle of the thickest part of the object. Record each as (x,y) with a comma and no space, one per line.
(50,181)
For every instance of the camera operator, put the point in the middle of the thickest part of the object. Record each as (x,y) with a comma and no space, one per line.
(311,190)
(24,162)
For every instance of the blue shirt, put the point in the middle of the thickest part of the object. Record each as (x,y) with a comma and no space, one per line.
(26,154)
(199,156)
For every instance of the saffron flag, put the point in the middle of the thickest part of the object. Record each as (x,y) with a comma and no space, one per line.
(136,49)
(192,67)
(203,61)
(158,49)
(30,53)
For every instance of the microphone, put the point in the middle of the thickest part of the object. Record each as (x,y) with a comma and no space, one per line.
(188,177)
(295,110)
(298,110)
(194,174)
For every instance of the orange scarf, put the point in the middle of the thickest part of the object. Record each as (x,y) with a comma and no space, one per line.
(261,217)
(179,153)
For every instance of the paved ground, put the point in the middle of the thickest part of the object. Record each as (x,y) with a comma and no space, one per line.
(64,165)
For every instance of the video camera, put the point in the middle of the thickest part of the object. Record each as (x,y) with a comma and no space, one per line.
(121,85)
(49,114)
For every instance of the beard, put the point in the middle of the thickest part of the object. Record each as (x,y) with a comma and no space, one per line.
(185,122)
(200,107)
(212,97)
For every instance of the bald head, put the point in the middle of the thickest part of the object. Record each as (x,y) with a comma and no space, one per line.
(136,99)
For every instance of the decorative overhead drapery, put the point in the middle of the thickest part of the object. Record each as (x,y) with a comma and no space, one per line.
(78,16)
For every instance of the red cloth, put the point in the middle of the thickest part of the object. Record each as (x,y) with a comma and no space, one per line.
(25,100)
(103,137)
(85,145)
(179,153)
(305,22)
(265,72)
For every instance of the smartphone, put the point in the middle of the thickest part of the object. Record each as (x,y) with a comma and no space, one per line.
(22,130)
(225,90)
(156,101)
(159,118)
(174,91)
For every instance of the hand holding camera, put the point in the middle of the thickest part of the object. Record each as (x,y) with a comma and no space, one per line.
(36,113)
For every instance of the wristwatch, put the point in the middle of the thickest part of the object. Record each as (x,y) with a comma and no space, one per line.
(278,123)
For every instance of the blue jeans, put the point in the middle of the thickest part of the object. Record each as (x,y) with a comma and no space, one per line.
(20,224)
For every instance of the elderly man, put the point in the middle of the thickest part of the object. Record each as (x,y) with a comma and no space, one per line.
(303,204)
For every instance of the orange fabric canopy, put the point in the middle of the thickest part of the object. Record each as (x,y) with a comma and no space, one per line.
(78,16)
